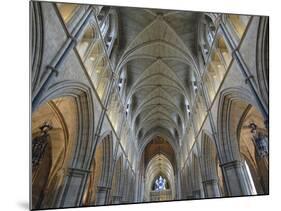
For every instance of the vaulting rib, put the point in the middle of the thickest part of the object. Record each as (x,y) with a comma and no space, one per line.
(158,91)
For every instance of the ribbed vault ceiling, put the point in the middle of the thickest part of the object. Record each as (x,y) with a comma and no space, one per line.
(158,52)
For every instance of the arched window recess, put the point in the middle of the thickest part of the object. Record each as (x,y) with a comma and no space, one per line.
(110,33)
(207,35)
(195,86)
(86,42)
(121,84)
(223,51)
(102,16)
(187,107)
(210,30)
(128,108)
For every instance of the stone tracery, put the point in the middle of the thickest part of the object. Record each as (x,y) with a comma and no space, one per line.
(162,102)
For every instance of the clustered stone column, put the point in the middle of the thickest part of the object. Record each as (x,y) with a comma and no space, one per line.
(116,199)
(211,188)
(73,188)
(196,194)
(236,178)
(102,195)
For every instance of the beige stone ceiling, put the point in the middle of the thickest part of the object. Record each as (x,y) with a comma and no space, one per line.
(158,51)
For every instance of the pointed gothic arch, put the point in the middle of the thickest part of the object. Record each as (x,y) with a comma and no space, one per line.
(196,178)
(54,130)
(209,166)
(233,104)
(116,186)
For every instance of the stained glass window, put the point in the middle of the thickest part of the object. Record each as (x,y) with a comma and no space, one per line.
(160,184)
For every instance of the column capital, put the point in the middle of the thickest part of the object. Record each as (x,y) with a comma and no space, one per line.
(78,171)
(236,163)
(210,181)
(116,197)
(103,188)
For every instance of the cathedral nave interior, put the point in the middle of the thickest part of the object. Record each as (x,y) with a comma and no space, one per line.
(135,105)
